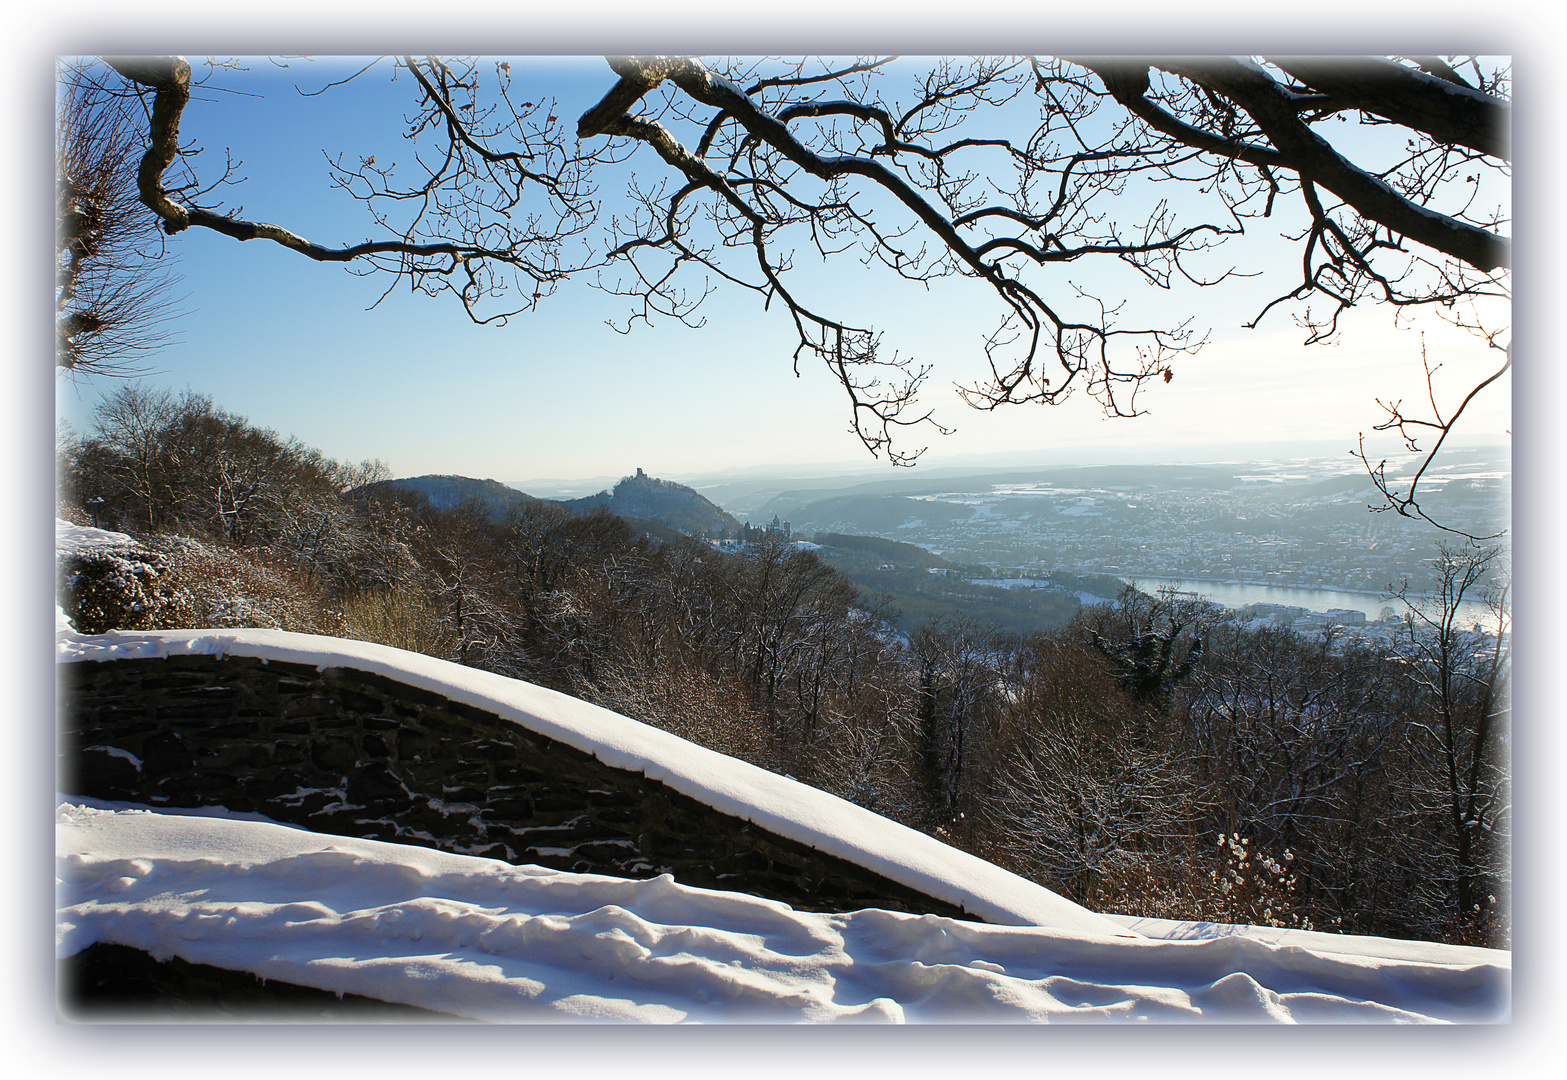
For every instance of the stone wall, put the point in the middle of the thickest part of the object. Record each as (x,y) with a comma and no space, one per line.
(355,754)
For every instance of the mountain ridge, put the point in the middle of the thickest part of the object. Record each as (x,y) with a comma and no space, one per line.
(648,502)
(448,491)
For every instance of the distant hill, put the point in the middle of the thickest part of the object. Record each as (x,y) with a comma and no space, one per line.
(662,501)
(449,492)
(876,515)
(882,551)
(923,586)
(657,509)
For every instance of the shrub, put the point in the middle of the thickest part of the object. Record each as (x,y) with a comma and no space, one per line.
(244,587)
(120,589)
(176,583)
(401,618)
(1231,883)
(1255,886)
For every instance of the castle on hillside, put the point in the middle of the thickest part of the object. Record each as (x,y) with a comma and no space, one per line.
(749,532)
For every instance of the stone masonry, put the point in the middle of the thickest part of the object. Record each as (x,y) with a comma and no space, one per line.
(356,754)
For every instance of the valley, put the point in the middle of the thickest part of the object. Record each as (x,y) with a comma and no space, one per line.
(1305,523)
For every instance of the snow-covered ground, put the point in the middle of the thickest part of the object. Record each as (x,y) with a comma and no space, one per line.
(69,538)
(487,940)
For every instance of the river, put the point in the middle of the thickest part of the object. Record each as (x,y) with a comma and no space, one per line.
(1234,595)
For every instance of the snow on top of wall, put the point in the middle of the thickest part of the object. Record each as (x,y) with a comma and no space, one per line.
(776,803)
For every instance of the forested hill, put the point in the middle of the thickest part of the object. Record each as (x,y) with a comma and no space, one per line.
(450,492)
(661,501)
(884,551)
(653,507)
(1093,750)
(922,586)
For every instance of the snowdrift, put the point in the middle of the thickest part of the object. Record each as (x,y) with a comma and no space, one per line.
(484,940)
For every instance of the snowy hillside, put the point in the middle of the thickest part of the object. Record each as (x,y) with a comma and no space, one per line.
(486,940)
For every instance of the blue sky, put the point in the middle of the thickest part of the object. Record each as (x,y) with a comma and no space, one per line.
(290,343)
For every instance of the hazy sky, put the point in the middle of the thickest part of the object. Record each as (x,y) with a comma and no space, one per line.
(290,343)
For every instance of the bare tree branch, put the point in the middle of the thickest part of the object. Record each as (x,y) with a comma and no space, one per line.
(1007,171)
(1404,499)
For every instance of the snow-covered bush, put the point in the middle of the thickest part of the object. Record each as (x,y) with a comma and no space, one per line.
(121,588)
(113,581)
(1234,882)
(1255,886)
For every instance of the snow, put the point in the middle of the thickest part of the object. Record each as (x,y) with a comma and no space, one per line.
(78,539)
(484,940)
(776,803)
(72,539)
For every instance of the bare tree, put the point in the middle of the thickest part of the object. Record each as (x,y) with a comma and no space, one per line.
(959,669)
(1086,783)
(1295,737)
(1458,738)
(130,427)
(112,282)
(1008,171)
(469,226)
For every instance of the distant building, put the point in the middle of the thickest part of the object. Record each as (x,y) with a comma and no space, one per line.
(748,532)
(1325,619)
(1285,613)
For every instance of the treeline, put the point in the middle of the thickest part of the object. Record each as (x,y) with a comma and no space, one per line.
(1147,759)
(925,587)
(884,551)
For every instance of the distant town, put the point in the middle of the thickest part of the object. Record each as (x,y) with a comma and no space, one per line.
(1305,523)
